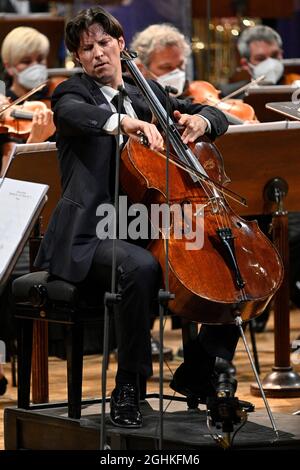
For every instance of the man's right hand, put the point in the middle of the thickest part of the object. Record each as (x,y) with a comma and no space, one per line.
(134,128)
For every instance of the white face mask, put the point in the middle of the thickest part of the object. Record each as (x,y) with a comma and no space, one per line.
(272,69)
(175,79)
(32,76)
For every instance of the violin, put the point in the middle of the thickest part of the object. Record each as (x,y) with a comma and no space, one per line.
(290,78)
(205,93)
(17,119)
(237,270)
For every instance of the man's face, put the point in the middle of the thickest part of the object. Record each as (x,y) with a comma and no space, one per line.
(164,60)
(261,50)
(99,55)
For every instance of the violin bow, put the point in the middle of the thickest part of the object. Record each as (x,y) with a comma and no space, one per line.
(24,97)
(244,87)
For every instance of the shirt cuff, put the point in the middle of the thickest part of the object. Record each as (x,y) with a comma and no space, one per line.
(111,125)
(208,124)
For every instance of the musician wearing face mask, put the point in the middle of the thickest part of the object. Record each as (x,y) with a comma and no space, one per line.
(24,53)
(162,55)
(260,50)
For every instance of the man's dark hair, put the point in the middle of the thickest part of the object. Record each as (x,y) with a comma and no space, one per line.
(84,19)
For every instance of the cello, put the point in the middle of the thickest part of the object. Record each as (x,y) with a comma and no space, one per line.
(237,270)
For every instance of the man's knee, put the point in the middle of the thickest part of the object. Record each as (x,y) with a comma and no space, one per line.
(140,271)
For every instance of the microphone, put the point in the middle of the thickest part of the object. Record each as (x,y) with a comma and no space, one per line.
(226,386)
(224,411)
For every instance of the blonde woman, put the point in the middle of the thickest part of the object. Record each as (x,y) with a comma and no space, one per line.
(24,55)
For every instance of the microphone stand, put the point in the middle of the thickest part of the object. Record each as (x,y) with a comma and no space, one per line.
(164,295)
(111,298)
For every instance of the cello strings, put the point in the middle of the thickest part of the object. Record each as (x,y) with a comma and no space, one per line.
(188,169)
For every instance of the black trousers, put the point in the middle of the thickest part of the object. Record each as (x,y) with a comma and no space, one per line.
(138,278)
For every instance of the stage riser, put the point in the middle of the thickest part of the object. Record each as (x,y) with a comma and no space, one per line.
(49,429)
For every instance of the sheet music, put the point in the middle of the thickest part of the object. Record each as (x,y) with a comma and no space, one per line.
(263,126)
(19,201)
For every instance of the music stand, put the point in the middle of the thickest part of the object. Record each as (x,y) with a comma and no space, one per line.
(283,380)
(258,96)
(21,203)
(37,163)
(287,108)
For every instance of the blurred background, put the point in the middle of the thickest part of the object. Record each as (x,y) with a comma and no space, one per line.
(212,26)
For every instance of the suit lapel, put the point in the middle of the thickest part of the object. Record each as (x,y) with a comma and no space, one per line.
(138,102)
(95,91)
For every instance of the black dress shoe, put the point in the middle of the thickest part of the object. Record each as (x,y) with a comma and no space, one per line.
(222,366)
(184,382)
(124,407)
(3,385)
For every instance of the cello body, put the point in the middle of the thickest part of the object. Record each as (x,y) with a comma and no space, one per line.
(206,284)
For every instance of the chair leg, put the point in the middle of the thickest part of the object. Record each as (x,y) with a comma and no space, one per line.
(13,360)
(74,349)
(24,335)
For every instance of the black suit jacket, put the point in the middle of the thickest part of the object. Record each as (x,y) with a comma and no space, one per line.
(85,155)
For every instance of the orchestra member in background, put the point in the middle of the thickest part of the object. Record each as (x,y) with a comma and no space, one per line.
(163,52)
(24,54)
(260,51)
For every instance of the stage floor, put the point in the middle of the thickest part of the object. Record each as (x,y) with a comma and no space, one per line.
(47,427)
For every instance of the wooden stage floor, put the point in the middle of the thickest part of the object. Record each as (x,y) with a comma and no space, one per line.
(92,373)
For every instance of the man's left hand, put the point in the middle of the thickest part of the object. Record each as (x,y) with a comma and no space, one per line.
(194,125)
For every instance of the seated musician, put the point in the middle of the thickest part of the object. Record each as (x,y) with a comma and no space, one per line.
(260,51)
(162,55)
(163,52)
(24,53)
(72,249)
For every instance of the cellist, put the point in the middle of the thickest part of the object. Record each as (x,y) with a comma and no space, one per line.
(77,246)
